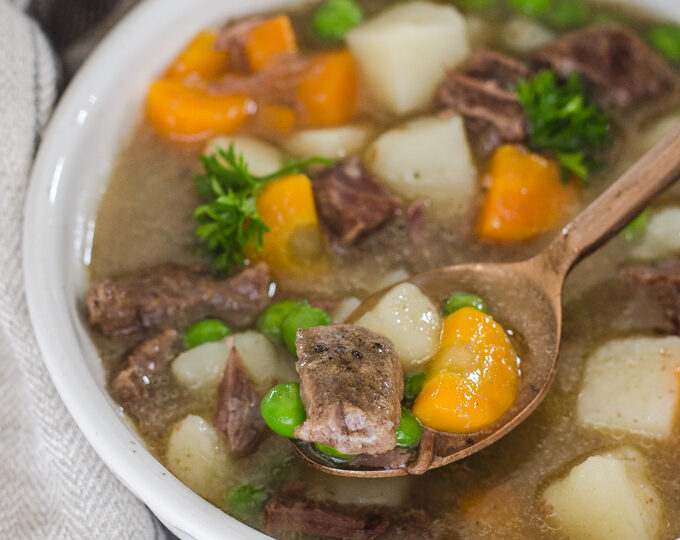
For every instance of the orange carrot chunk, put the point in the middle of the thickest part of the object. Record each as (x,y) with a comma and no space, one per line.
(199,58)
(275,119)
(526,196)
(272,38)
(191,114)
(328,91)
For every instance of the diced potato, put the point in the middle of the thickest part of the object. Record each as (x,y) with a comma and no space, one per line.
(392,277)
(607,496)
(197,455)
(525,36)
(345,308)
(262,361)
(632,385)
(661,237)
(386,492)
(332,143)
(409,319)
(202,366)
(427,158)
(262,158)
(403,52)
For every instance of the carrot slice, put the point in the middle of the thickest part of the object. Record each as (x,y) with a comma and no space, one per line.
(328,91)
(268,40)
(191,114)
(526,196)
(275,119)
(199,58)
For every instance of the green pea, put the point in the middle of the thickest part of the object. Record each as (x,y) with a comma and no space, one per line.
(270,321)
(282,409)
(565,14)
(304,316)
(205,331)
(330,451)
(413,385)
(245,501)
(665,38)
(635,228)
(409,431)
(334,18)
(460,300)
(531,8)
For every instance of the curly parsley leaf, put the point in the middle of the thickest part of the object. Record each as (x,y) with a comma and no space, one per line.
(228,224)
(562,121)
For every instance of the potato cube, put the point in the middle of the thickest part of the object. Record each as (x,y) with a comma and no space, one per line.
(427,158)
(262,157)
(202,366)
(661,237)
(332,143)
(632,385)
(607,496)
(197,455)
(408,318)
(402,53)
(262,361)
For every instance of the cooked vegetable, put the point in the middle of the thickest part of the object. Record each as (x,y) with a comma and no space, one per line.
(231,222)
(409,320)
(196,454)
(270,321)
(199,58)
(565,14)
(334,18)
(665,38)
(636,228)
(262,360)
(526,36)
(330,451)
(205,331)
(413,384)
(303,316)
(428,158)
(562,121)
(402,53)
(276,119)
(328,91)
(201,366)
(473,378)
(460,300)
(526,196)
(631,384)
(531,8)
(245,501)
(409,430)
(269,39)
(282,409)
(190,113)
(657,234)
(262,157)
(330,142)
(606,496)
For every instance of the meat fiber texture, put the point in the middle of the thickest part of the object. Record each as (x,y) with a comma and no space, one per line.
(351,384)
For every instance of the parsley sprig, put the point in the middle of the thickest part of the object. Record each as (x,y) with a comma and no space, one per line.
(229,223)
(562,121)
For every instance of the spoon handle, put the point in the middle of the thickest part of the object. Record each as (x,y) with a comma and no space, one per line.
(616,207)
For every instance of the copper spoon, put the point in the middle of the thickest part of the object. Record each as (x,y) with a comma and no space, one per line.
(527,297)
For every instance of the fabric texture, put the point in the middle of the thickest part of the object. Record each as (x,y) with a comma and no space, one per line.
(52,483)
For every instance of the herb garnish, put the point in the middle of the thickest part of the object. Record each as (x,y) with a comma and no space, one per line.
(562,121)
(229,223)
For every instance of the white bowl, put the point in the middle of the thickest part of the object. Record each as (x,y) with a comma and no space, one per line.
(69,176)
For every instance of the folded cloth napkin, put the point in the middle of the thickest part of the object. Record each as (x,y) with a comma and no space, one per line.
(52,484)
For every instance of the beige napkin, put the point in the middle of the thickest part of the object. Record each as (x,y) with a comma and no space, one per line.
(52,484)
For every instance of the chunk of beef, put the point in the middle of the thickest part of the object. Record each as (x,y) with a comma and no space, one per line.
(232,39)
(238,407)
(351,383)
(146,361)
(480,93)
(350,202)
(295,514)
(488,65)
(624,71)
(662,284)
(172,296)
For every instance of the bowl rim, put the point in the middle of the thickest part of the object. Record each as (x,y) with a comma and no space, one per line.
(182,510)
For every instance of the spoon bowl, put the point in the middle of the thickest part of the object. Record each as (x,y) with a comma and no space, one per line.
(527,301)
